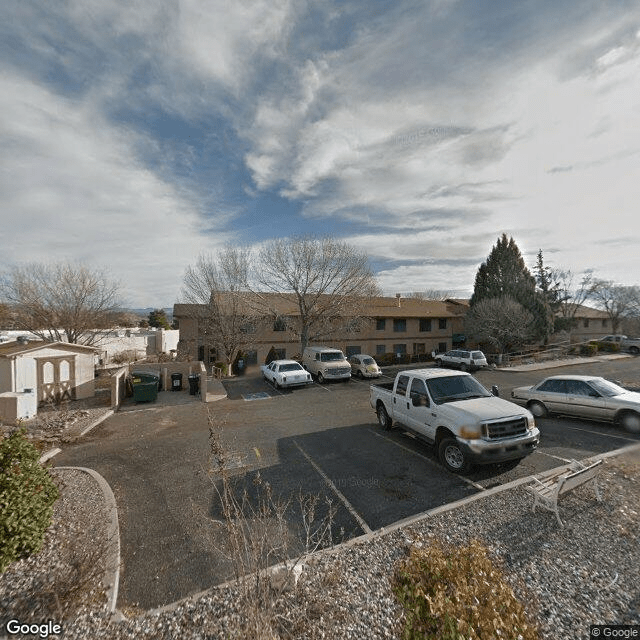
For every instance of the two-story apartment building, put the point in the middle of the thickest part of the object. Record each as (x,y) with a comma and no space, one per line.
(394,325)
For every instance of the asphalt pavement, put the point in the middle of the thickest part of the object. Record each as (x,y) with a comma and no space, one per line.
(322,440)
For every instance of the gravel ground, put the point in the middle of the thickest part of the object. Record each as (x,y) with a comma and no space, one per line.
(585,573)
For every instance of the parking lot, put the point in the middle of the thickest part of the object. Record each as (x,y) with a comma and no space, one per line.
(319,440)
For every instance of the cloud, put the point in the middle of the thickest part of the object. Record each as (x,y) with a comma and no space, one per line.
(73,186)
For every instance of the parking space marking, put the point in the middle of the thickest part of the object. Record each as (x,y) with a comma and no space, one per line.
(607,435)
(552,456)
(416,453)
(363,525)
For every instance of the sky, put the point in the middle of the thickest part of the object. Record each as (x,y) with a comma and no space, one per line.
(135,135)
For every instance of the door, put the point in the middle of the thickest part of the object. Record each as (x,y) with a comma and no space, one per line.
(419,415)
(401,401)
(585,401)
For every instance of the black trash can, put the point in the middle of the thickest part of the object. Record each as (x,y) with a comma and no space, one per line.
(194,383)
(176,382)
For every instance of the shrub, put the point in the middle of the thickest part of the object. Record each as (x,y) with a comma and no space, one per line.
(122,357)
(27,494)
(588,350)
(611,347)
(458,593)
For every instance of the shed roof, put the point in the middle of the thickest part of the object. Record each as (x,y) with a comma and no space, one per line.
(14,348)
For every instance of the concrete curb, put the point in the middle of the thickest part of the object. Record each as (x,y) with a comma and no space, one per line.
(111,579)
(406,522)
(50,453)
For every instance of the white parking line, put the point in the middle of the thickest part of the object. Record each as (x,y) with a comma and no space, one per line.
(598,433)
(544,453)
(415,453)
(364,526)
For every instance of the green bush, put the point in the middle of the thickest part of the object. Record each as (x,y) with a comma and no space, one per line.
(588,350)
(611,347)
(458,593)
(27,494)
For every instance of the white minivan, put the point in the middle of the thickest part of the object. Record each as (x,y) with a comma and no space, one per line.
(326,363)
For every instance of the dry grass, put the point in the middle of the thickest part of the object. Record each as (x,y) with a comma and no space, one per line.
(459,593)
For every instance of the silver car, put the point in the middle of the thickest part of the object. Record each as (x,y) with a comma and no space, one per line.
(461,359)
(584,397)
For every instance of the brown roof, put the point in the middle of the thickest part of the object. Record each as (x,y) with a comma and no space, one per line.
(377,307)
(589,312)
(8,349)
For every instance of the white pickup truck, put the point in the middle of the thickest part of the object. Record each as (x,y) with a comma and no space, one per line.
(632,345)
(453,411)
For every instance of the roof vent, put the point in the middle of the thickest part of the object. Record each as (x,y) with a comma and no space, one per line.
(398,296)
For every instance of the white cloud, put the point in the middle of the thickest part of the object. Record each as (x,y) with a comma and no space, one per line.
(73,187)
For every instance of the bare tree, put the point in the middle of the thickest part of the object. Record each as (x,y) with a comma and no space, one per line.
(431,294)
(326,282)
(62,301)
(501,322)
(570,297)
(618,301)
(217,287)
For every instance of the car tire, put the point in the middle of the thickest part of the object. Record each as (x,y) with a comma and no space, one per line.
(463,366)
(320,378)
(634,351)
(438,363)
(383,418)
(275,384)
(359,374)
(538,409)
(452,456)
(630,421)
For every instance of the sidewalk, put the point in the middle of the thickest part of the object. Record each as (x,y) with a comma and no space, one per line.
(565,362)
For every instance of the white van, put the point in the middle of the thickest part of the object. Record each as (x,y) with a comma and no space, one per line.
(326,363)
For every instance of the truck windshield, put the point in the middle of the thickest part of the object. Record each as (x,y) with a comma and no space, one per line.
(331,356)
(451,388)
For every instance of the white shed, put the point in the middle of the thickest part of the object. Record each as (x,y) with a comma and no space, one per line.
(48,371)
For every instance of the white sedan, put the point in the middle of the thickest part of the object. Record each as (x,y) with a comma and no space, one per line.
(364,366)
(285,373)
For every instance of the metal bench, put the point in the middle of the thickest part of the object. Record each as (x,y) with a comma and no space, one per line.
(547,491)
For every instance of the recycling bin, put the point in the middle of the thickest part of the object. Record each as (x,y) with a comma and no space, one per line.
(176,382)
(194,384)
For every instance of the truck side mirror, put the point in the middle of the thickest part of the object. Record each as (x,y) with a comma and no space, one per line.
(495,391)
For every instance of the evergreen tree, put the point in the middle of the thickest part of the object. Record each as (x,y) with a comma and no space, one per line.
(158,318)
(504,275)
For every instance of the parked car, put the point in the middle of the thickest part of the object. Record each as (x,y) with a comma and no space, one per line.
(582,397)
(461,359)
(456,414)
(326,363)
(364,366)
(285,373)
(632,345)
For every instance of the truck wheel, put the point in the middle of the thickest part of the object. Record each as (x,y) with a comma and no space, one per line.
(320,378)
(383,418)
(452,456)
(630,421)
(438,363)
(634,350)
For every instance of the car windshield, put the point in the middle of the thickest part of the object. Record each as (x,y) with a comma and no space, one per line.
(331,356)
(451,388)
(606,388)
(368,361)
(290,367)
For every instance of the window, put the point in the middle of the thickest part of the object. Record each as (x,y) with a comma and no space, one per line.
(419,347)
(353,349)
(251,356)
(279,324)
(585,323)
(403,383)
(442,347)
(400,348)
(425,324)
(247,327)
(553,386)
(399,325)
(579,388)
(418,393)
(605,323)
(381,324)
(380,349)
(442,323)
(280,354)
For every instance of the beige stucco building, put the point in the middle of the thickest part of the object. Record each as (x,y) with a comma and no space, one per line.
(395,325)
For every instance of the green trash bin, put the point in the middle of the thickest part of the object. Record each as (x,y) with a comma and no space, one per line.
(145,386)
